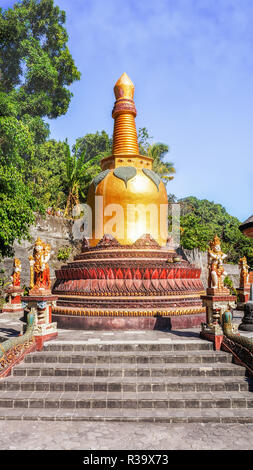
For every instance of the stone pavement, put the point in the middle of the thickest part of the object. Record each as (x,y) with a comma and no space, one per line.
(11,326)
(20,435)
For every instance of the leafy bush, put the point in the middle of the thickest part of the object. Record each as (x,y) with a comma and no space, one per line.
(229,284)
(64,253)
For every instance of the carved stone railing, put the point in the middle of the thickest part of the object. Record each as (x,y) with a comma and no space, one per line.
(13,350)
(240,346)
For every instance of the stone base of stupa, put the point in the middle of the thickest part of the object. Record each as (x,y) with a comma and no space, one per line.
(133,320)
(142,286)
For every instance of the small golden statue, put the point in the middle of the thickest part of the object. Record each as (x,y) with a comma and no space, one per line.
(14,290)
(215,265)
(15,277)
(39,268)
(244,274)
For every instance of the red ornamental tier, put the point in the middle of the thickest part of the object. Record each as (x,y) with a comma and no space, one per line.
(138,286)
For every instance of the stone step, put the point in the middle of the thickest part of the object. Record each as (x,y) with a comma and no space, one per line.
(139,357)
(128,370)
(127,384)
(91,400)
(170,415)
(102,346)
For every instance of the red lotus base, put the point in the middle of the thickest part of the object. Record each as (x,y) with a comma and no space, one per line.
(116,286)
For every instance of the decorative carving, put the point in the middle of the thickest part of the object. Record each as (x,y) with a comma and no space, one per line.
(40,272)
(244,273)
(126,312)
(42,305)
(170,244)
(153,176)
(14,348)
(124,105)
(85,244)
(215,265)
(100,177)
(15,278)
(146,241)
(14,290)
(108,241)
(125,173)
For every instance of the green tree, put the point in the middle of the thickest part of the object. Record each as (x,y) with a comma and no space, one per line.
(79,168)
(144,140)
(36,69)
(202,219)
(164,169)
(47,177)
(157,152)
(93,147)
(35,62)
(17,206)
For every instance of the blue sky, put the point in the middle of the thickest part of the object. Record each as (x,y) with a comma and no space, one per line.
(191,62)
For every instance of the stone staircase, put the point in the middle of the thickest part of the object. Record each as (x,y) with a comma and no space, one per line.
(173,381)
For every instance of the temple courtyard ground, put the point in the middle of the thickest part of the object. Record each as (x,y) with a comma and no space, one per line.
(92,435)
(27,435)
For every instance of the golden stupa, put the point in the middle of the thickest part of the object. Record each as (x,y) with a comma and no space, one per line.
(127,180)
(128,274)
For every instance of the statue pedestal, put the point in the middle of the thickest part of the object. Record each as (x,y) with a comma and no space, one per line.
(243,296)
(247,321)
(41,306)
(216,304)
(14,304)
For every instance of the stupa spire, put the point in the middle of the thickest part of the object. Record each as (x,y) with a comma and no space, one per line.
(124,112)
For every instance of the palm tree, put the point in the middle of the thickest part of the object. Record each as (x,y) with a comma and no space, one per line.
(164,169)
(79,171)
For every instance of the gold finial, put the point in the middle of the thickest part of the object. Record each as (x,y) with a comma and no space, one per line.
(124,88)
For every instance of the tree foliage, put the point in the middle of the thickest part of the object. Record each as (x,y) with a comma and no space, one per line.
(201,220)
(36,69)
(17,206)
(35,62)
(157,152)
(94,147)
(46,176)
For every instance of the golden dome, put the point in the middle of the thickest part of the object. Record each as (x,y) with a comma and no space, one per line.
(131,207)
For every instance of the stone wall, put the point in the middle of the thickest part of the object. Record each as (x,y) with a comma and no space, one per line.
(53,230)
